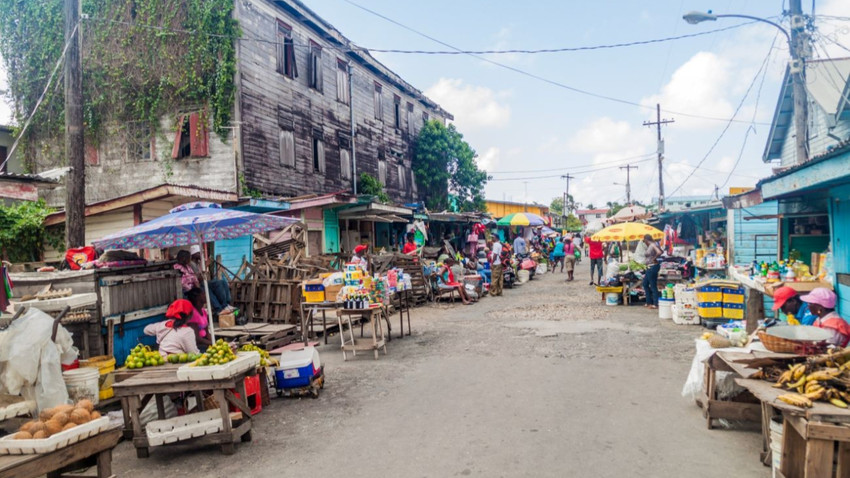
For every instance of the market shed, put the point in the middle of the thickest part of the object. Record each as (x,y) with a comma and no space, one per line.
(22,187)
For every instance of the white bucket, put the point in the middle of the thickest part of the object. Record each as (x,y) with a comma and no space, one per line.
(776,445)
(665,308)
(522,276)
(83,383)
(612,298)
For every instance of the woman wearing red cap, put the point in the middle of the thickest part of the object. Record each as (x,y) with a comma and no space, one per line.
(822,303)
(359,257)
(174,336)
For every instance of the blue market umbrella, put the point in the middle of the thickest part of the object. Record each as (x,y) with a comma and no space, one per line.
(193,223)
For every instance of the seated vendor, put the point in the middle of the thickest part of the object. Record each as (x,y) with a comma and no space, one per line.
(174,335)
(822,304)
(446,280)
(409,245)
(788,300)
(219,289)
(188,278)
(359,257)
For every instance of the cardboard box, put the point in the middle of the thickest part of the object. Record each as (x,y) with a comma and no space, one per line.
(226,320)
(332,291)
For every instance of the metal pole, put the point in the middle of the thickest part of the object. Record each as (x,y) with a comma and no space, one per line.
(797,45)
(75,183)
(353,127)
(207,290)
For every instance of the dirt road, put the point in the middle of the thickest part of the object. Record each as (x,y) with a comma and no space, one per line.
(544,381)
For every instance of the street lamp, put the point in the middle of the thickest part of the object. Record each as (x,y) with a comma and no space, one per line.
(797,45)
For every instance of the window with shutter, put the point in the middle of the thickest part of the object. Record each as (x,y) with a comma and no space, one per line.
(402,180)
(396,112)
(287,148)
(199,136)
(4,165)
(424,117)
(316,80)
(345,164)
(342,81)
(382,171)
(411,128)
(318,155)
(379,103)
(285,51)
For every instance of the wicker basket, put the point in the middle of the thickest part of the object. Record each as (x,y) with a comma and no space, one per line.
(782,345)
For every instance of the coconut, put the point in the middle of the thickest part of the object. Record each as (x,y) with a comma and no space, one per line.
(54,427)
(46,414)
(95,415)
(40,435)
(23,436)
(69,426)
(86,403)
(65,407)
(61,417)
(37,427)
(27,427)
(80,416)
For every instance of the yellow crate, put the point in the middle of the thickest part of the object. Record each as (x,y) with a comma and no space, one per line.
(710,296)
(710,312)
(735,314)
(733,298)
(314,296)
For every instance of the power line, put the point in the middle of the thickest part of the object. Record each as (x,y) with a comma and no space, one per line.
(549,176)
(535,76)
(726,128)
(557,50)
(572,166)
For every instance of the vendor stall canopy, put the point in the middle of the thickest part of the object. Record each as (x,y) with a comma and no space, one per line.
(193,223)
(627,231)
(521,219)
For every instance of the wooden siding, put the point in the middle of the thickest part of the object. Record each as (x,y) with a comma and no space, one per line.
(754,239)
(271,101)
(839,208)
(500,209)
(819,139)
(232,251)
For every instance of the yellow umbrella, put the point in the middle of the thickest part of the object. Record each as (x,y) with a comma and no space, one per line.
(627,231)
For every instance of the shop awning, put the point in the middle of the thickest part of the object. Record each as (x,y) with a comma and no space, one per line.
(820,173)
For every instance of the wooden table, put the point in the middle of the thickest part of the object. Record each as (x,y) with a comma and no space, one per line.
(809,437)
(741,408)
(308,312)
(267,336)
(377,341)
(137,391)
(52,464)
(403,297)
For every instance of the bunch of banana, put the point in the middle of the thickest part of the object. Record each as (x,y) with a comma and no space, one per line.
(795,373)
(796,399)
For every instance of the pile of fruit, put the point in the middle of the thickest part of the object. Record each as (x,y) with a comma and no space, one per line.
(182,358)
(218,353)
(265,359)
(57,419)
(143,357)
(825,378)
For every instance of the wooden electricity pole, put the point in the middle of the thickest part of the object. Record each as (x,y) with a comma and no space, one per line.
(75,182)
(628,169)
(799,49)
(565,211)
(658,123)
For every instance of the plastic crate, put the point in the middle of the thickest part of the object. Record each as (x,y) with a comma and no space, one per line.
(685,316)
(313,293)
(733,296)
(252,390)
(733,311)
(709,294)
(686,297)
(710,310)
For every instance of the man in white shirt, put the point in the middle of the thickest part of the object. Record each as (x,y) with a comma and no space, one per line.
(497,276)
(520,245)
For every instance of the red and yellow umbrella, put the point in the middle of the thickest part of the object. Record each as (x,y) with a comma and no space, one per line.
(627,231)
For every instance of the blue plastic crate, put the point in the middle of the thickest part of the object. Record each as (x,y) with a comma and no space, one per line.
(131,334)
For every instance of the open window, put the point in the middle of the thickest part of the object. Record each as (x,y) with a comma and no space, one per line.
(316,77)
(192,137)
(285,52)
(396,112)
(4,166)
(318,154)
(379,102)
(342,79)
(411,128)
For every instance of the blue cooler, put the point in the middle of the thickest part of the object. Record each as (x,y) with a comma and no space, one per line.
(297,368)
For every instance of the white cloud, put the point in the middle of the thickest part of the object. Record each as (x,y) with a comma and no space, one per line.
(472,106)
(605,136)
(489,160)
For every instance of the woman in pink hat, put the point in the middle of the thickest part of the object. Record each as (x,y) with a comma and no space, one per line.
(822,304)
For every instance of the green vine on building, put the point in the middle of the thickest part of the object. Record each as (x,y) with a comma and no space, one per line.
(142,60)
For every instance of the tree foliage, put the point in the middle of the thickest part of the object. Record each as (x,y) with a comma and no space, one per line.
(556,207)
(368,184)
(573,223)
(142,60)
(445,164)
(22,231)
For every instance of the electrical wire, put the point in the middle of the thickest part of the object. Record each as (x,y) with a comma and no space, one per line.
(11,151)
(549,176)
(572,166)
(729,124)
(538,77)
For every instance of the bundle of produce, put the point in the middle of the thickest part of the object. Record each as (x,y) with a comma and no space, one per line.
(182,358)
(218,353)
(60,418)
(265,359)
(820,378)
(143,357)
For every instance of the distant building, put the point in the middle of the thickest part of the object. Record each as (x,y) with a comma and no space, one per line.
(589,215)
(500,209)
(680,203)
(6,141)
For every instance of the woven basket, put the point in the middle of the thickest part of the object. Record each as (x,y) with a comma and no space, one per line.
(782,345)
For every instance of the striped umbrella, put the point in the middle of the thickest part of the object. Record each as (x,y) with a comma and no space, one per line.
(627,231)
(521,219)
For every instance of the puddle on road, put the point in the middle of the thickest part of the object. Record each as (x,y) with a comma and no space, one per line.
(548,328)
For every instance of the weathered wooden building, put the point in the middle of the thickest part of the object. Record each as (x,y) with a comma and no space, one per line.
(299,83)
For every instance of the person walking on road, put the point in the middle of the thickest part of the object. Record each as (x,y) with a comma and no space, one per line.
(497,276)
(650,279)
(558,255)
(596,259)
(578,246)
(569,257)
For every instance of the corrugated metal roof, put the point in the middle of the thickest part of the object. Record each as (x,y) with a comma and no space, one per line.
(29,178)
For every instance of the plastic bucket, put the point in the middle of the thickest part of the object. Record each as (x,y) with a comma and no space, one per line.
(522,276)
(776,445)
(612,298)
(82,383)
(665,308)
(105,366)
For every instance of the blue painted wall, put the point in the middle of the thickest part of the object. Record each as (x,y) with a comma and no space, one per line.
(839,223)
(331,219)
(233,250)
(755,239)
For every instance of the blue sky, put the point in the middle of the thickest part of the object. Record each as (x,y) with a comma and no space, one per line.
(517,123)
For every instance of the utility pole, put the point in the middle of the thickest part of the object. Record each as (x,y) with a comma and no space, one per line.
(75,183)
(658,123)
(800,50)
(566,211)
(525,200)
(628,169)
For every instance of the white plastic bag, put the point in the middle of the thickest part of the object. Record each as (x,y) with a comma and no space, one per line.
(30,363)
(725,381)
(541,268)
